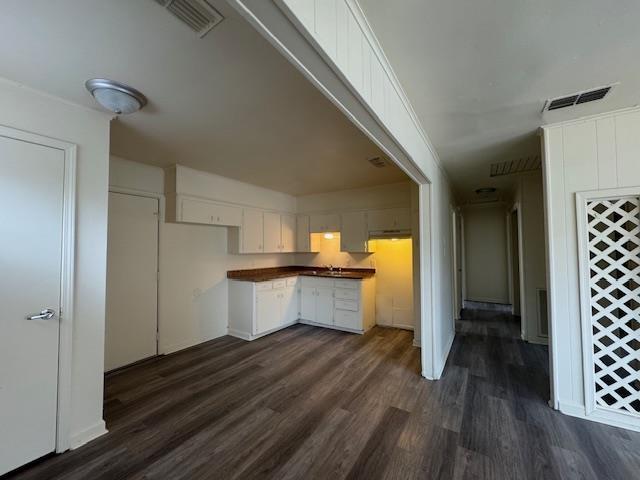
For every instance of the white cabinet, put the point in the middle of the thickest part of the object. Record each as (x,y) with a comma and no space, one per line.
(252,231)
(259,308)
(303,234)
(210,213)
(272,232)
(389,219)
(279,232)
(267,310)
(354,235)
(288,232)
(328,222)
(345,304)
(316,300)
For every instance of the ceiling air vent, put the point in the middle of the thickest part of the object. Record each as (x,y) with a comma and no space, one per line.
(377,162)
(577,98)
(199,15)
(510,167)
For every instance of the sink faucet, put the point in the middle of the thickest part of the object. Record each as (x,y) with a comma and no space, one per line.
(330,267)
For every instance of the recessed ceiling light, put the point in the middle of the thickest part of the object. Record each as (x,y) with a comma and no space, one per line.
(486,190)
(115,96)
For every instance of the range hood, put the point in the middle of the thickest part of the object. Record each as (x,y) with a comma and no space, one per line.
(387,234)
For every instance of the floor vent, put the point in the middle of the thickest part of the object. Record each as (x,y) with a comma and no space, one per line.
(521,165)
(577,98)
(198,15)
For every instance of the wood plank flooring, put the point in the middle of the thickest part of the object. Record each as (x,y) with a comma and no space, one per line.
(312,403)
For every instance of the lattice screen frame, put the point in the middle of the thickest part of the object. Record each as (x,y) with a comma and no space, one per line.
(593,401)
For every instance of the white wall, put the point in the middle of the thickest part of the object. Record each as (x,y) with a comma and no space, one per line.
(193,258)
(529,197)
(381,196)
(32,111)
(485,243)
(594,153)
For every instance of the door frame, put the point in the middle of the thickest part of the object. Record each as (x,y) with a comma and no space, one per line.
(517,208)
(161,215)
(67,280)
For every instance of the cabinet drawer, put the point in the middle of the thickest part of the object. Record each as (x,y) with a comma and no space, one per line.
(347,293)
(262,286)
(351,305)
(279,283)
(354,284)
(346,319)
(292,282)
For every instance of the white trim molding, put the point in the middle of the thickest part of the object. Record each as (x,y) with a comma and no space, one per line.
(67,284)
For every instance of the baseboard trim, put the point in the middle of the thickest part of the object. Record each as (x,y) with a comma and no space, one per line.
(443,359)
(490,305)
(239,334)
(85,436)
(608,418)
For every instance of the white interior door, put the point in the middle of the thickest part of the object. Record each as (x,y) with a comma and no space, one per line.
(132,280)
(31,222)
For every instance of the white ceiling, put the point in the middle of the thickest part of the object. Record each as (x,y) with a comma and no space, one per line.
(478,72)
(227,103)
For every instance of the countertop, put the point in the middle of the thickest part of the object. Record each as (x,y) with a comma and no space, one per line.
(266,274)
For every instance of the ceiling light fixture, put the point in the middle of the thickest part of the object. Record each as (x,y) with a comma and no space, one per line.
(115,96)
(328,236)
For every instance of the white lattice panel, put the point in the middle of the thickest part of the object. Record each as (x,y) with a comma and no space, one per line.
(613,229)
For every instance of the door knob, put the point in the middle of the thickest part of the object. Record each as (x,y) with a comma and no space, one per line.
(46,314)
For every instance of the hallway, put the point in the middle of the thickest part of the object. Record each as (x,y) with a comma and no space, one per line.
(313,403)
(507,429)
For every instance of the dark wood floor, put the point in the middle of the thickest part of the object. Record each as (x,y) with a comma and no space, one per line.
(308,403)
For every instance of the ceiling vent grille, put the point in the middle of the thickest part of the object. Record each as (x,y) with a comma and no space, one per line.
(511,167)
(577,98)
(377,162)
(198,15)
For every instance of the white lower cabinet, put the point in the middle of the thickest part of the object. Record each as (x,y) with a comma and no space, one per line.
(260,308)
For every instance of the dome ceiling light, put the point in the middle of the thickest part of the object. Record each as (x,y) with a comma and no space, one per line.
(115,96)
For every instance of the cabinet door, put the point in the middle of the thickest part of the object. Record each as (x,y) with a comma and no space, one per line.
(289,305)
(226,215)
(389,219)
(303,238)
(268,315)
(195,211)
(272,239)
(353,232)
(324,305)
(308,303)
(252,231)
(288,232)
(324,223)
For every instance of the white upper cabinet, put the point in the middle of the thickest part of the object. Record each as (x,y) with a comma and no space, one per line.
(303,239)
(279,232)
(210,213)
(252,231)
(272,232)
(354,235)
(328,222)
(389,219)
(288,232)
